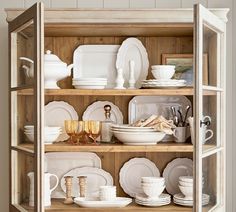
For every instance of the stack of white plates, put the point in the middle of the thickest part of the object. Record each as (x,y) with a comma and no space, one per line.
(170,83)
(137,135)
(180,199)
(163,199)
(89,83)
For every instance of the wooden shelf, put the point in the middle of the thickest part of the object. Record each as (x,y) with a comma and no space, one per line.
(161,147)
(116,92)
(57,205)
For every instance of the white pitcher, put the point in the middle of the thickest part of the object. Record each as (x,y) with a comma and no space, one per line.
(47,189)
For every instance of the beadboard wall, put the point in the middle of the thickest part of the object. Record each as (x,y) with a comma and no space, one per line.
(231,75)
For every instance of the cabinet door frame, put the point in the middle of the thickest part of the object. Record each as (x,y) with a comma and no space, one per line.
(203,16)
(34,14)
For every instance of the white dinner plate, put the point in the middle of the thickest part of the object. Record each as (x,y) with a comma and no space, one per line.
(155,204)
(132,172)
(133,49)
(56,113)
(94,202)
(176,168)
(59,163)
(95,178)
(144,198)
(182,198)
(96,111)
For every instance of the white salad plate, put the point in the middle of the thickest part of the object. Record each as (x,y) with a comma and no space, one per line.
(164,86)
(176,168)
(96,111)
(56,113)
(155,204)
(144,198)
(59,163)
(131,173)
(94,202)
(133,49)
(96,177)
(181,197)
(87,58)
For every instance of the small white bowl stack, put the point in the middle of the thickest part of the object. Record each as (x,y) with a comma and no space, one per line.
(107,193)
(153,196)
(50,133)
(89,83)
(185,198)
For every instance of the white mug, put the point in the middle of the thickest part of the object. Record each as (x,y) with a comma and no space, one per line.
(180,134)
(204,133)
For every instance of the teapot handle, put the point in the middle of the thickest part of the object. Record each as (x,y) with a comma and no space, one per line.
(53,175)
(26,59)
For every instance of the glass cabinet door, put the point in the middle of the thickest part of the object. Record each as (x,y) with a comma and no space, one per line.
(26,49)
(209,111)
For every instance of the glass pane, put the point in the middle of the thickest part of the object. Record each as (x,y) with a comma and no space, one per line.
(211,181)
(210,60)
(22,55)
(211,132)
(22,119)
(22,165)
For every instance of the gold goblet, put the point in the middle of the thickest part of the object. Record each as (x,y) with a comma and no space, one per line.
(80,131)
(94,130)
(71,127)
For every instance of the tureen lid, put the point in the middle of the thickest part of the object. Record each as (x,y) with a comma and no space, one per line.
(52,58)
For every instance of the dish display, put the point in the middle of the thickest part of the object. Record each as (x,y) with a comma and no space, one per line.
(56,112)
(59,163)
(94,202)
(96,177)
(176,168)
(103,60)
(131,173)
(133,49)
(95,111)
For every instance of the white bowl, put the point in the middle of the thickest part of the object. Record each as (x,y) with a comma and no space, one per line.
(163,72)
(153,180)
(138,138)
(48,137)
(188,179)
(153,191)
(185,184)
(187,191)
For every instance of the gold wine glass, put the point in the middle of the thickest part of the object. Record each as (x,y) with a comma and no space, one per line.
(80,131)
(71,127)
(94,130)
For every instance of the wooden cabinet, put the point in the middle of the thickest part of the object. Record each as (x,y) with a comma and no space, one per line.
(195,31)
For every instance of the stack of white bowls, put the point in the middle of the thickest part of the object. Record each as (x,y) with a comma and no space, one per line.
(89,83)
(50,133)
(107,193)
(153,196)
(136,135)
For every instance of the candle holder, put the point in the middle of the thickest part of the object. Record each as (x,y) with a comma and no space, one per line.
(82,185)
(68,183)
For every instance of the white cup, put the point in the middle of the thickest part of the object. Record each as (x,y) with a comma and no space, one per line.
(180,134)
(107,193)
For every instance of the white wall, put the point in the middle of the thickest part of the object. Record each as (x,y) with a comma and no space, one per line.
(231,100)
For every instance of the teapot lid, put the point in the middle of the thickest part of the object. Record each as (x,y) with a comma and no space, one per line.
(51,58)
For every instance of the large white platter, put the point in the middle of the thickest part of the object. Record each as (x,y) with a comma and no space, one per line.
(176,168)
(94,202)
(59,163)
(96,61)
(133,49)
(56,113)
(131,173)
(95,178)
(96,111)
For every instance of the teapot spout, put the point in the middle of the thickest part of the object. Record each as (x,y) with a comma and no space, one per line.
(69,67)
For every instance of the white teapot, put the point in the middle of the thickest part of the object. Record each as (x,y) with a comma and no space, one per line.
(54,70)
(47,189)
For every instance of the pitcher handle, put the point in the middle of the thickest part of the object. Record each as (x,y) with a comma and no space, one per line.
(53,175)
(211,134)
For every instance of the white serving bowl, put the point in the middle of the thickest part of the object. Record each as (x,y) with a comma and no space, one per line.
(153,180)
(153,191)
(48,137)
(136,138)
(187,191)
(163,72)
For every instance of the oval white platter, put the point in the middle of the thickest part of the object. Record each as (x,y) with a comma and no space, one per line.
(176,168)
(131,173)
(94,202)
(56,113)
(59,163)
(133,49)
(95,178)
(96,111)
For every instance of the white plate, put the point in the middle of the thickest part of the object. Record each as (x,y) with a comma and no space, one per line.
(144,198)
(93,79)
(119,202)
(96,61)
(127,126)
(59,163)
(95,178)
(182,198)
(96,111)
(133,49)
(176,168)
(56,113)
(164,86)
(131,173)
(133,130)
(89,86)
(156,204)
